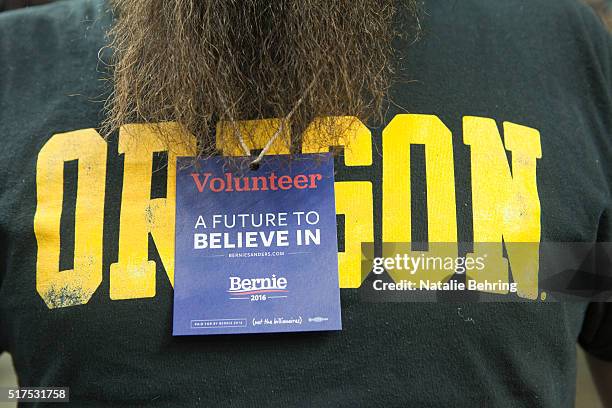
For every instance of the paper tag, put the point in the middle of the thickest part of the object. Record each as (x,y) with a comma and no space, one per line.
(256,251)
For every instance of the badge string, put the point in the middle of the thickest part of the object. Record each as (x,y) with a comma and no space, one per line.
(255,163)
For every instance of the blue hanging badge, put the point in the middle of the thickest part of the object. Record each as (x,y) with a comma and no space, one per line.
(256,251)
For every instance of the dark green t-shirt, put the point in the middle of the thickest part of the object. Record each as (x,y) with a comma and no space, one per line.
(509,102)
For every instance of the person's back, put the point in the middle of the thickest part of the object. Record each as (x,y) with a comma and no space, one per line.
(508,103)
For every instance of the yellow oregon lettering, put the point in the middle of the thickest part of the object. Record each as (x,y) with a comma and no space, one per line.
(505,204)
(398,136)
(353,198)
(76,286)
(133,276)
